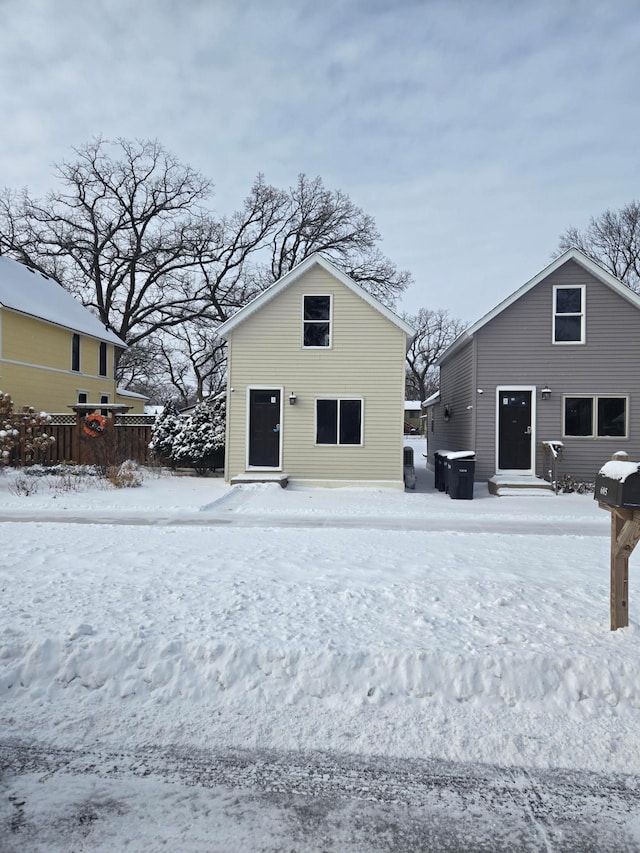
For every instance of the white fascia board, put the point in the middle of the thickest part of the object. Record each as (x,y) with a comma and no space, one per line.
(570,255)
(300,269)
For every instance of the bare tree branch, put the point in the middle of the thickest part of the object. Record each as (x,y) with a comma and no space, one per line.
(435,331)
(612,240)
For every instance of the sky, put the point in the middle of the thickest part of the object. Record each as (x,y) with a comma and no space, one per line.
(474,133)
(187,617)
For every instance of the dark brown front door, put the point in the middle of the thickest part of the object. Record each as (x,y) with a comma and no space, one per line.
(264,428)
(514,431)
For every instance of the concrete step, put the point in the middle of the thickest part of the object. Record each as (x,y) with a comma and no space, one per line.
(503,485)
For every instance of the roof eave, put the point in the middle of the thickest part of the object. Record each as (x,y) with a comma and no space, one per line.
(300,269)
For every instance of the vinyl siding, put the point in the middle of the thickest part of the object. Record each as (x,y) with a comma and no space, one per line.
(515,348)
(35,365)
(456,393)
(366,360)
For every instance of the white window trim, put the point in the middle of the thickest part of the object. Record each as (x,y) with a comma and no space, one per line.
(272,387)
(330,345)
(81,391)
(582,314)
(338,399)
(594,417)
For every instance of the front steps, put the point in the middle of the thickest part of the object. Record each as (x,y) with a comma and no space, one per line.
(261,477)
(520,485)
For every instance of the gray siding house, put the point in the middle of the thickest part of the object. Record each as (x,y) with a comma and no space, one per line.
(558,360)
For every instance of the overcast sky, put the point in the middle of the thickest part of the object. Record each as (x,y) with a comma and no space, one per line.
(474,131)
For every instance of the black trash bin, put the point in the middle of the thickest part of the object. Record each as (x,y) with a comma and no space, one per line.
(461,471)
(439,468)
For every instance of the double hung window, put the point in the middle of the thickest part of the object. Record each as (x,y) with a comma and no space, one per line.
(338,421)
(569,315)
(317,321)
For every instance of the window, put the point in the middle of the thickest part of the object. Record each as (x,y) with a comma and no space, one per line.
(317,321)
(338,421)
(568,315)
(104,401)
(83,397)
(75,353)
(102,359)
(600,417)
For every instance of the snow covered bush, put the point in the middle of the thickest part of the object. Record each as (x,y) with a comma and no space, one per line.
(165,429)
(125,476)
(23,435)
(200,442)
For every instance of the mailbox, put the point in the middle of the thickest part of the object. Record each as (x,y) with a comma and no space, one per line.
(618,484)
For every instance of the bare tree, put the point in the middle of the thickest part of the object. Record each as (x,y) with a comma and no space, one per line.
(316,219)
(130,236)
(195,360)
(436,330)
(612,240)
(127,234)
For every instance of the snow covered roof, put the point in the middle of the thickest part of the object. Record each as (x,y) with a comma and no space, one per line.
(412,405)
(293,275)
(570,255)
(124,392)
(432,400)
(29,292)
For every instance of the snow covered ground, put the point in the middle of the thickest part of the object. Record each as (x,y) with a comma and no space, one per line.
(186,613)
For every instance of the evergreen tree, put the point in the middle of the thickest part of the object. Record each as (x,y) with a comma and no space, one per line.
(167,426)
(200,443)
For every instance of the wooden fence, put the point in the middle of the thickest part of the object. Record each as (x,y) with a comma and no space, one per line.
(127,438)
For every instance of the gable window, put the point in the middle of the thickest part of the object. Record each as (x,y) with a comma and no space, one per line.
(568,315)
(75,352)
(338,421)
(317,321)
(102,359)
(595,417)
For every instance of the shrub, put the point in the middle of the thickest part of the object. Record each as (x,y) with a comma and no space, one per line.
(125,476)
(23,435)
(200,442)
(568,485)
(165,429)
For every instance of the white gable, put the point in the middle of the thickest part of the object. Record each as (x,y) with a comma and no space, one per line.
(29,292)
(293,275)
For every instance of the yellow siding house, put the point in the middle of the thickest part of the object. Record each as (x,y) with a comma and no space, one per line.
(53,351)
(315,385)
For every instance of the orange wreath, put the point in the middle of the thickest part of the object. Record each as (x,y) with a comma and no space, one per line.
(93,425)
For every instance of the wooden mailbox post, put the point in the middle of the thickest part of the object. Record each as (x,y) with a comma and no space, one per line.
(618,491)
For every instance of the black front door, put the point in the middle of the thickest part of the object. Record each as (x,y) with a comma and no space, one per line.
(514,431)
(264,428)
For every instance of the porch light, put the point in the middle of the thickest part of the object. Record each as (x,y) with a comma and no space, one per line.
(292,399)
(546,393)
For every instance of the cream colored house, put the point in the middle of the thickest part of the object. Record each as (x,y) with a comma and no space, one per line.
(315,386)
(53,351)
